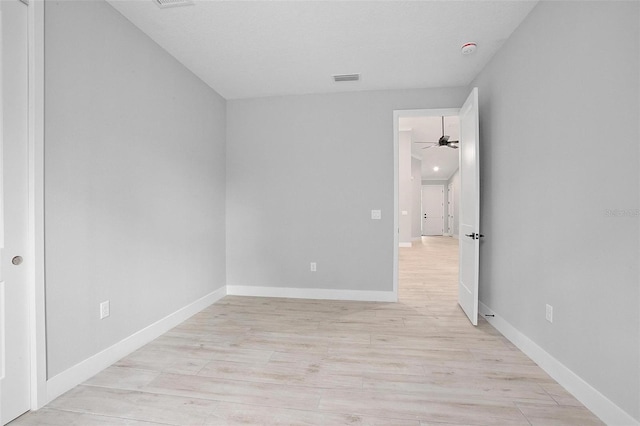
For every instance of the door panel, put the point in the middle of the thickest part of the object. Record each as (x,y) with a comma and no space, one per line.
(14,387)
(432,210)
(469,211)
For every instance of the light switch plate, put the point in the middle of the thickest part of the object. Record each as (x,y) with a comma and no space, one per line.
(549,313)
(105,310)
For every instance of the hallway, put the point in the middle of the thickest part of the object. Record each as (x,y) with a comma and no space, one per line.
(247,360)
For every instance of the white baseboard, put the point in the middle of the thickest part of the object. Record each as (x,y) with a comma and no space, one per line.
(599,404)
(86,369)
(405,245)
(312,293)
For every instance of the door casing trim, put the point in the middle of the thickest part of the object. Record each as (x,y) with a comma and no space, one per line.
(36,278)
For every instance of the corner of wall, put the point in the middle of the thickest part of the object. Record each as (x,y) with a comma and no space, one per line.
(86,369)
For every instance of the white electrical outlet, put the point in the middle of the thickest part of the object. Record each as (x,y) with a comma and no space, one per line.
(376,214)
(313,267)
(104,309)
(549,313)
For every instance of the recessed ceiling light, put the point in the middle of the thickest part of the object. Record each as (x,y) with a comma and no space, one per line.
(436,168)
(468,48)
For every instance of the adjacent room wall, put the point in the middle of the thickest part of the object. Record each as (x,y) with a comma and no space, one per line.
(455,181)
(405,188)
(134,182)
(559,189)
(416,198)
(303,174)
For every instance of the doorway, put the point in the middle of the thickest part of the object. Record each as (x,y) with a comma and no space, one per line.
(469,192)
(436,249)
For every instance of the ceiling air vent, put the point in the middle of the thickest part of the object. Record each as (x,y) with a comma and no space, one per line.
(346,77)
(172,3)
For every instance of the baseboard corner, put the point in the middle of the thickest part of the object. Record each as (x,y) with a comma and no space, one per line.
(91,366)
(595,401)
(312,293)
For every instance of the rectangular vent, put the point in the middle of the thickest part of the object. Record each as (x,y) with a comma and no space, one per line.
(346,77)
(172,3)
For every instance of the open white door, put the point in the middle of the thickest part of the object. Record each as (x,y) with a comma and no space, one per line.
(469,207)
(14,294)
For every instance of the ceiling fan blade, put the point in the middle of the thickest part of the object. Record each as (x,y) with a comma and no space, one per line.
(454,141)
(426,142)
(452,146)
(432,146)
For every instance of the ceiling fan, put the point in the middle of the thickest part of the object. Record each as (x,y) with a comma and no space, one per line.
(443,141)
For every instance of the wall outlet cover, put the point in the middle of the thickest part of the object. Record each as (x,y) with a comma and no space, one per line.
(104,309)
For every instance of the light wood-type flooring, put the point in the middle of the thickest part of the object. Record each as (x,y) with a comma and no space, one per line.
(255,361)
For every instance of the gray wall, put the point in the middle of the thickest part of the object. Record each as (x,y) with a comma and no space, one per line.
(134,182)
(303,173)
(559,136)
(416,198)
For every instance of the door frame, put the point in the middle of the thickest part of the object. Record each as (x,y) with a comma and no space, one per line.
(397,114)
(35,211)
(35,275)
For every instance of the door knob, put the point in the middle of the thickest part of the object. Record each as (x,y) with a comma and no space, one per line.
(17,260)
(474,236)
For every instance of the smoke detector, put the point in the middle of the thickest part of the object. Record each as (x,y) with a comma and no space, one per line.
(346,77)
(172,3)
(468,48)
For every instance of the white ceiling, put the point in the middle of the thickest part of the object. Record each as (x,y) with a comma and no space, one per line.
(429,129)
(248,49)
